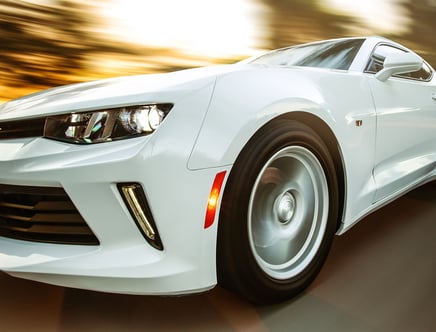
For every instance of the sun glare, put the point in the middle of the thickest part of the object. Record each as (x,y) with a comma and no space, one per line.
(221,27)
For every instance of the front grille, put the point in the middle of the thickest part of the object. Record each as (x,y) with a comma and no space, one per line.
(42,214)
(22,129)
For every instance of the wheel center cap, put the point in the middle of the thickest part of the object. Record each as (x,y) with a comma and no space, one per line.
(285,207)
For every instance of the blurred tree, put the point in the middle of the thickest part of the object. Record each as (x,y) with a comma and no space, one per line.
(52,42)
(297,21)
(421,36)
(45,45)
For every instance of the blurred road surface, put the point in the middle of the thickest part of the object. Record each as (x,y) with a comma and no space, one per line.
(380,276)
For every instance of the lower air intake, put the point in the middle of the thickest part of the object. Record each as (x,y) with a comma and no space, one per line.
(42,214)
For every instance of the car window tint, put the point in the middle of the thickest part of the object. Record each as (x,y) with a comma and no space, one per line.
(424,74)
(377,59)
(332,54)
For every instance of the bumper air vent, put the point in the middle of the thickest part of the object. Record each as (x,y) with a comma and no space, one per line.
(42,214)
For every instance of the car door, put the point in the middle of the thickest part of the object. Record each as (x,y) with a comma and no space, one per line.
(405,150)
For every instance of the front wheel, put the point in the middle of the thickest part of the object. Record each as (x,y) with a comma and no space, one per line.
(279,213)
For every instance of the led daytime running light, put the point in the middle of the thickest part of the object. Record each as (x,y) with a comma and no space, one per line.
(132,200)
(136,202)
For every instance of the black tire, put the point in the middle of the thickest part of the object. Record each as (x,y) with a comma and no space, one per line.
(273,235)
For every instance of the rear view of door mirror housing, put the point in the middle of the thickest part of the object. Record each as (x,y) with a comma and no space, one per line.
(399,63)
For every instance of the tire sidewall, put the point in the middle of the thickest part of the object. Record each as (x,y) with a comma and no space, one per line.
(234,238)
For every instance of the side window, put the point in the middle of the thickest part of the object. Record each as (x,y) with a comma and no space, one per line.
(424,74)
(377,59)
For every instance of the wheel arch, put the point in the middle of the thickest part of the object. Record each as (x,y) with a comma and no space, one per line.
(327,135)
(308,129)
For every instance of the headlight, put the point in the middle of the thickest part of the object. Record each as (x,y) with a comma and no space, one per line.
(106,125)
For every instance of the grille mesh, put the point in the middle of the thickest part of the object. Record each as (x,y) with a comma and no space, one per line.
(42,214)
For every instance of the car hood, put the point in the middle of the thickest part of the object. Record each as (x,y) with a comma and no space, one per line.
(114,92)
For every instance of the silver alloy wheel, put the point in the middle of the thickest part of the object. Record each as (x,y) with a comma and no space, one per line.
(287,212)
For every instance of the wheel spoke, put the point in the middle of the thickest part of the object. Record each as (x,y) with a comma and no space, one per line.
(287,212)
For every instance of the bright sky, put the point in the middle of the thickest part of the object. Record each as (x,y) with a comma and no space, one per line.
(197,26)
(223,28)
(206,29)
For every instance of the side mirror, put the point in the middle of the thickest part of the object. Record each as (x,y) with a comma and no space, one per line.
(399,63)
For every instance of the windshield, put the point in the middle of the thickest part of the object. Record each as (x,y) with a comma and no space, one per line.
(336,54)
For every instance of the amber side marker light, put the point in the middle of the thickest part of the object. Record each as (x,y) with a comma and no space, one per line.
(135,200)
(213,199)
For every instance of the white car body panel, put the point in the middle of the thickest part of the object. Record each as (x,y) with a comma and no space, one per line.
(216,111)
(73,168)
(301,94)
(406,138)
(113,92)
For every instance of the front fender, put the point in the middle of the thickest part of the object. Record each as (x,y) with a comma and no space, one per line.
(245,101)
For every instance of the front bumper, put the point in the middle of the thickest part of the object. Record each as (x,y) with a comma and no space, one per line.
(123,261)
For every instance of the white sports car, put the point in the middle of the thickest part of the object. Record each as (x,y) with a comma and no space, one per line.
(238,174)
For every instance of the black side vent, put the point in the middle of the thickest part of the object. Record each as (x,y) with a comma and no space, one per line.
(42,214)
(22,129)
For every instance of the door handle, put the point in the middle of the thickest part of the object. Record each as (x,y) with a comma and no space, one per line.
(433,96)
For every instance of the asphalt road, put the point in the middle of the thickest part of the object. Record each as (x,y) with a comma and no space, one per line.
(380,276)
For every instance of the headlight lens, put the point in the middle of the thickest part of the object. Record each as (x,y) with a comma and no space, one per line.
(106,125)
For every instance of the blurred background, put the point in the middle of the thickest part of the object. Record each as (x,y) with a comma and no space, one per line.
(47,43)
